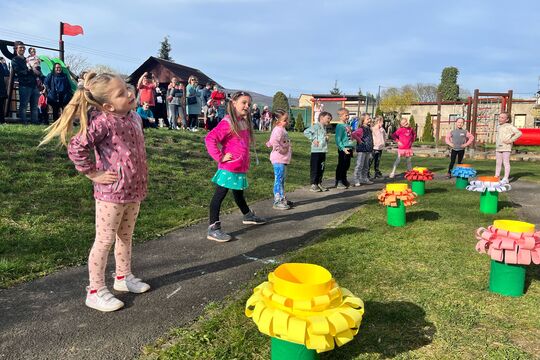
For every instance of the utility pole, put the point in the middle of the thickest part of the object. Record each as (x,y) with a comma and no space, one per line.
(358,112)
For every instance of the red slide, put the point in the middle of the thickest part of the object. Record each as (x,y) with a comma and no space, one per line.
(530,137)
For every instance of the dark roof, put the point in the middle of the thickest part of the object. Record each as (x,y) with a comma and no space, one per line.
(330,96)
(164,70)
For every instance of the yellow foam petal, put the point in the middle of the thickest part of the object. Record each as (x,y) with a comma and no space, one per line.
(281,300)
(354,317)
(339,323)
(304,305)
(297,330)
(353,301)
(321,301)
(320,342)
(318,325)
(344,337)
(281,322)
(265,321)
(259,307)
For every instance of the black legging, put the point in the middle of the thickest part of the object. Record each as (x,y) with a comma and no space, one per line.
(317,167)
(219,195)
(453,154)
(193,121)
(344,163)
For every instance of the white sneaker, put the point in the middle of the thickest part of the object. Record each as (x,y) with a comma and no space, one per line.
(130,283)
(102,300)
(391,176)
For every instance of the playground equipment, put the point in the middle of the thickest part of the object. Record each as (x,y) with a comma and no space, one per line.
(47,66)
(489,188)
(305,311)
(462,173)
(418,177)
(396,197)
(511,245)
(529,137)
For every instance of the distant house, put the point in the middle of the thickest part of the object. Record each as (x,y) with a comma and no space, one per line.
(164,70)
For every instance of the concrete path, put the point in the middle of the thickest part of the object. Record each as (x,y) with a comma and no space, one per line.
(47,319)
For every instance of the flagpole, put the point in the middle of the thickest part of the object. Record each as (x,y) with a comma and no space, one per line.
(61,42)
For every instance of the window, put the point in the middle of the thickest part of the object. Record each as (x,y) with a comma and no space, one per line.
(520,120)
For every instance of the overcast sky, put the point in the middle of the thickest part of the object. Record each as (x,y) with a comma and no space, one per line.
(301,46)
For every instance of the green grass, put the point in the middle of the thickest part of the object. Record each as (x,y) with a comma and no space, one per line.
(47,209)
(424,288)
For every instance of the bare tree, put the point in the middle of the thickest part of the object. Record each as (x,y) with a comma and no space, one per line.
(426,92)
(101,68)
(76,63)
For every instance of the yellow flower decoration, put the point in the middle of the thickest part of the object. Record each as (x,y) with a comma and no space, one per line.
(303,304)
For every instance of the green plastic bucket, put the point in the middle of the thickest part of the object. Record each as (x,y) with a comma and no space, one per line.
(418,187)
(461,183)
(286,350)
(489,202)
(507,279)
(395,215)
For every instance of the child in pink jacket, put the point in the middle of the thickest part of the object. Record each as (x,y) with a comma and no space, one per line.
(228,144)
(405,137)
(280,158)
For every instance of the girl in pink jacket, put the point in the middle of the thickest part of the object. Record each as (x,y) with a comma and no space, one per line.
(228,144)
(280,158)
(113,133)
(405,137)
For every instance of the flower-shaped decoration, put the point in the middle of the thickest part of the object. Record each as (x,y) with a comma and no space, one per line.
(489,183)
(303,304)
(464,171)
(390,195)
(419,174)
(514,242)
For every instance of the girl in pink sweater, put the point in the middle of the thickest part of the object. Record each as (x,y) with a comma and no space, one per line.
(113,133)
(280,158)
(405,137)
(228,144)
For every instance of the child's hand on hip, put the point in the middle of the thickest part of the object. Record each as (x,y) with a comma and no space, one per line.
(226,157)
(316,142)
(103,177)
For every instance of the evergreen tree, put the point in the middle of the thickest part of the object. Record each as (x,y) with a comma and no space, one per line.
(412,123)
(165,49)
(280,101)
(292,121)
(427,136)
(299,123)
(335,90)
(448,88)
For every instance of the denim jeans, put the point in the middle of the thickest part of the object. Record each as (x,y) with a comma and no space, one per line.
(28,95)
(280,172)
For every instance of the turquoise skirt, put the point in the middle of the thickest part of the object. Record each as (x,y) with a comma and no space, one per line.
(230,180)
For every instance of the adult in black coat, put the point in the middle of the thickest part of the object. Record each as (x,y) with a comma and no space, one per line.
(59,91)
(4,72)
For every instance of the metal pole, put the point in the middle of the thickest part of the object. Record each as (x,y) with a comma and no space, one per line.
(509,102)
(438,131)
(469,101)
(61,42)
(474,116)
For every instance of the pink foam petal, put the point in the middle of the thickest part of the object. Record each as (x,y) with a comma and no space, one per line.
(510,257)
(535,256)
(524,257)
(507,244)
(481,246)
(496,254)
(527,243)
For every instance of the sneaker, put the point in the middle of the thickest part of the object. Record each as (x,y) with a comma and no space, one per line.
(102,300)
(341,186)
(448,176)
(367,182)
(315,188)
(251,219)
(281,205)
(504,181)
(195,130)
(391,176)
(378,174)
(215,233)
(322,188)
(130,283)
(357,184)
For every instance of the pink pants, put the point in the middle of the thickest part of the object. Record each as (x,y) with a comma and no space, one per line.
(114,224)
(502,158)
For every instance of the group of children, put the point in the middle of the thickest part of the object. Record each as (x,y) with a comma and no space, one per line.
(109,149)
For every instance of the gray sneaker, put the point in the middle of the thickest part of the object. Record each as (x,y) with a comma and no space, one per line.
(341,186)
(366,182)
(251,219)
(322,187)
(281,205)
(215,233)
(315,188)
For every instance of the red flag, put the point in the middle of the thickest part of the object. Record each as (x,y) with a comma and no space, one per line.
(71,30)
